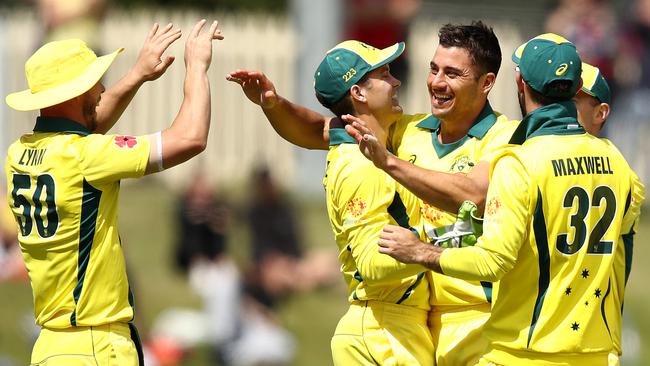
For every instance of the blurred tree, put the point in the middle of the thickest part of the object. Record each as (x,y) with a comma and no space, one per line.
(273,6)
(230,5)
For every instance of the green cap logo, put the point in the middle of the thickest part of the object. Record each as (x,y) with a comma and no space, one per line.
(346,63)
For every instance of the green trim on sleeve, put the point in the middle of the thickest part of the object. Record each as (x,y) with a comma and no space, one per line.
(409,290)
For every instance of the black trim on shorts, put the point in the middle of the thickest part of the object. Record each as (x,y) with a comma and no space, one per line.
(135,337)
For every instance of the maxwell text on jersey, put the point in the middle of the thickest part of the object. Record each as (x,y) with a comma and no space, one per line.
(582,165)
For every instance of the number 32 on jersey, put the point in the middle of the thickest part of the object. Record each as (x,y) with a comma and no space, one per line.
(580,197)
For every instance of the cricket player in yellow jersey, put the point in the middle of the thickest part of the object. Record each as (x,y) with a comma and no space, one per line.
(462,131)
(63,185)
(593,105)
(553,220)
(386,323)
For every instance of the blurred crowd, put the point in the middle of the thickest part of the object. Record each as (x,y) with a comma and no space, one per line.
(618,44)
(238,319)
(238,315)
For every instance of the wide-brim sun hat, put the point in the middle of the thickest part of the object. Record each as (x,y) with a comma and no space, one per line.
(60,71)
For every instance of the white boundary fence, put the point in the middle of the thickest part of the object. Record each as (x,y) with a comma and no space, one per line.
(240,137)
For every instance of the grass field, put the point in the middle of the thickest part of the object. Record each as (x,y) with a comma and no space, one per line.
(147,230)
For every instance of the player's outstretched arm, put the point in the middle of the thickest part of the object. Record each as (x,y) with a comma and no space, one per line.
(149,66)
(297,124)
(188,134)
(446,191)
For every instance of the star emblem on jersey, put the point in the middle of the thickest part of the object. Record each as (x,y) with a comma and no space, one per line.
(575,326)
(585,273)
(126,141)
(356,207)
(567,291)
(597,293)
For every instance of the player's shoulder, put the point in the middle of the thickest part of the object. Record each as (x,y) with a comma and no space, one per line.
(348,160)
(411,120)
(504,122)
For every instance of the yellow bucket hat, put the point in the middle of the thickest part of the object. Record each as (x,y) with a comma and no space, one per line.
(60,71)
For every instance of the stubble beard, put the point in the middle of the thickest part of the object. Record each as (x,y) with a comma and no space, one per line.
(522,104)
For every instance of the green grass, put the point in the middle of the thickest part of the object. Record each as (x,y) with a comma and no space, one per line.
(147,228)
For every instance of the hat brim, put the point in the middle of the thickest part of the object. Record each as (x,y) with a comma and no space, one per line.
(27,101)
(389,54)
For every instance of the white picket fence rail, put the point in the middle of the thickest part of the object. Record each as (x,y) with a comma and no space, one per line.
(240,137)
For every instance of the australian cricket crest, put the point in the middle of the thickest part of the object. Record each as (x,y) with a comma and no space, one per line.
(462,164)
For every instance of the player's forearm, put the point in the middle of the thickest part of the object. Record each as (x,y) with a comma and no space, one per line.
(299,125)
(384,269)
(474,264)
(188,134)
(115,100)
(443,190)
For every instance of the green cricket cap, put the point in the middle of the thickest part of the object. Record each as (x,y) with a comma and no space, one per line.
(346,63)
(547,58)
(594,84)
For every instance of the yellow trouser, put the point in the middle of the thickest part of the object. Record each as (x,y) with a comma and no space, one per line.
(103,345)
(379,333)
(507,357)
(458,334)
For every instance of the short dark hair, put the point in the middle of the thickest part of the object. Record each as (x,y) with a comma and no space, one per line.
(343,105)
(558,86)
(478,39)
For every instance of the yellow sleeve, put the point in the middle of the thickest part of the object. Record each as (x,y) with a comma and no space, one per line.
(109,158)
(368,187)
(631,218)
(505,226)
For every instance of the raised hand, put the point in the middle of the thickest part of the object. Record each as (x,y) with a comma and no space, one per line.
(198,48)
(150,64)
(257,87)
(368,143)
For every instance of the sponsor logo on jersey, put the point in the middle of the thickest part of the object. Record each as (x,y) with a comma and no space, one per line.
(126,141)
(431,214)
(492,206)
(356,207)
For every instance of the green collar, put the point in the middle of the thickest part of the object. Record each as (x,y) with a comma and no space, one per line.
(59,124)
(485,120)
(553,119)
(338,136)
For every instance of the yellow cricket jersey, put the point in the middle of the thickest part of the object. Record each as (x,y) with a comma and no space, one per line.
(415,138)
(63,185)
(554,216)
(623,260)
(361,200)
